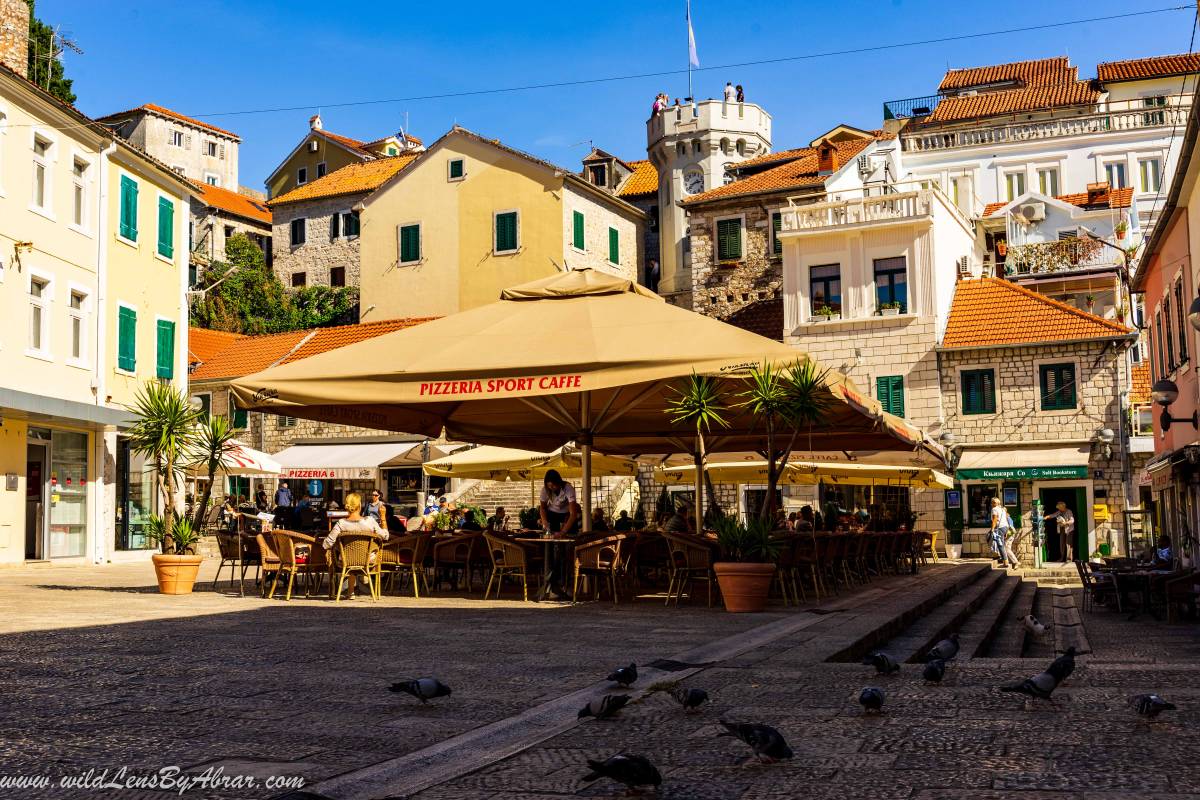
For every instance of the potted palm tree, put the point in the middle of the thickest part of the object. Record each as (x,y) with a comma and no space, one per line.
(747,565)
(212,442)
(165,433)
(698,403)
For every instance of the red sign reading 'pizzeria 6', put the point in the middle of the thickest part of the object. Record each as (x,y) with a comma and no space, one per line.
(501,385)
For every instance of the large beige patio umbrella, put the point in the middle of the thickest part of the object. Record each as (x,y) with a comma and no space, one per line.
(490,463)
(809,473)
(581,355)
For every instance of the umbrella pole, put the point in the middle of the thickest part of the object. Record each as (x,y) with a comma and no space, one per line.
(585,453)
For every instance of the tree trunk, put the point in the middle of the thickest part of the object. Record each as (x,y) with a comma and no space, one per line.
(767,512)
(202,506)
(699,489)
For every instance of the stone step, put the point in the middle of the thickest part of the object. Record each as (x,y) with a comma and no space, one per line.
(982,626)
(1009,640)
(912,644)
(1068,625)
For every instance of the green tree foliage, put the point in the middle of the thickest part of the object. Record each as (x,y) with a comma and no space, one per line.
(42,60)
(243,296)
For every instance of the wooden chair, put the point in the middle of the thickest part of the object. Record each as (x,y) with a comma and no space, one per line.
(599,559)
(1098,587)
(407,554)
(691,560)
(230,547)
(454,555)
(268,560)
(357,554)
(509,560)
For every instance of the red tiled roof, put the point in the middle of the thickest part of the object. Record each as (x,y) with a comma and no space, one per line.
(361,176)
(234,203)
(1029,317)
(1118,198)
(324,339)
(203,343)
(353,144)
(791,175)
(1040,72)
(644,180)
(764,317)
(1138,69)
(772,158)
(166,112)
(1011,101)
(1139,379)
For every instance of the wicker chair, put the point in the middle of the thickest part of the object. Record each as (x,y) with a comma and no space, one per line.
(317,565)
(212,520)
(509,559)
(456,554)
(598,559)
(230,546)
(268,560)
(691,560)
(407,554)
(289,561)
(357,554)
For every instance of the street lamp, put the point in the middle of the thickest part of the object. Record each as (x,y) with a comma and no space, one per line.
(1104,437)
(1165,392)
(1194,313)
(947,438)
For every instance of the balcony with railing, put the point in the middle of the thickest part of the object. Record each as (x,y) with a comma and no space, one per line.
(911,107)
(1124,115)
(857,212)
(1063,256)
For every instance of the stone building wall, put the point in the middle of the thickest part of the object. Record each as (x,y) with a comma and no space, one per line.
(719,290)
(211,230)
(598,217)
(320,252)
(14,36)
(649,205)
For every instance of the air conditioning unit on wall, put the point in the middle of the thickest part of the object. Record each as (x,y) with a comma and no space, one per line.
(1032,212)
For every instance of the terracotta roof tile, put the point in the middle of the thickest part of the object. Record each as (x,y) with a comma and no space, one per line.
(764,317)
(1120,198)
(166,112)
(1011,101)
(1029,317)
(1040,72)
(234,203)
(1142,68)
(773,158)
(203,343)
(354,144)
(1139,379)
(324,339)
(366,176)
(247,355)
(790,175)
(644,180)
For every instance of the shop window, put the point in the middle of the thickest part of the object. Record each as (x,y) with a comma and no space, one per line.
(979,504)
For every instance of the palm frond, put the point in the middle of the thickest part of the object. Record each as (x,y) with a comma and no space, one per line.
(700,402)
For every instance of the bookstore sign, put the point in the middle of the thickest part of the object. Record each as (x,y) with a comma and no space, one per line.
(1022,473)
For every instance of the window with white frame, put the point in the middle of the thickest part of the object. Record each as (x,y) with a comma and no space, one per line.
(1114,173)
(41,172)
(210,149)
(1143,421)
(212,179)
(79,175)
(302,175)
(1014,185)
(1048,181)
(77,313)
(175,138)
(1154,117)
(1150,171)
(39,314)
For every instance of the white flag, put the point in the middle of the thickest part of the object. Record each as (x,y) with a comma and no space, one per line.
(693,59)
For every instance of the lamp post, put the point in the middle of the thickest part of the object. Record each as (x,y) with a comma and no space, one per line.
(1165,392)
(1105,437)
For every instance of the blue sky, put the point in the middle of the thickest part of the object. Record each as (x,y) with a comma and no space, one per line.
(205,57)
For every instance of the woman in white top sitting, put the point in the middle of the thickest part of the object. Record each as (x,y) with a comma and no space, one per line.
(354,522)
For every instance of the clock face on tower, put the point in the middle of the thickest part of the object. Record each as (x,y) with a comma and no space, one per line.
(693,181)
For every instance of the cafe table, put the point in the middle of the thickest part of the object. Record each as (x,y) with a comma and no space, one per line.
(1143,581)
(547,542)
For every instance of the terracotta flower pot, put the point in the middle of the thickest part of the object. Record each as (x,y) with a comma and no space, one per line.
(176,574)
(744,587)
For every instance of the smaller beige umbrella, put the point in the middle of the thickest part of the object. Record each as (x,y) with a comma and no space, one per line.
(507,463)
(807,473)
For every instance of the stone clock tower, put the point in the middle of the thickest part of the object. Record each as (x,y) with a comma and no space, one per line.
(690,146)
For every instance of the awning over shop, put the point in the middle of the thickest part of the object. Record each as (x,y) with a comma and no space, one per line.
(1024,463)
(347,460)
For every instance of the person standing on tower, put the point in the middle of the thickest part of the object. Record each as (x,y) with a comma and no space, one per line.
(741,94)
(730,92)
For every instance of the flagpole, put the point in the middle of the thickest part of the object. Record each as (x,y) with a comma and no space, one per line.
(691,47)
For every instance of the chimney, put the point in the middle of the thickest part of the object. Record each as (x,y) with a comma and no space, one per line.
(14,36)
(827,158)
(314,121)
(1097,193)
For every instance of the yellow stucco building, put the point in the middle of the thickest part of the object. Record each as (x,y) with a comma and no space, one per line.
(471,216)
(69,189)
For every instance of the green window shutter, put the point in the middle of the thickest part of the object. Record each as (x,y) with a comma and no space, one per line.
(456,168)
(506,231)
(126,339)
(577,239)
(410,243)
(166,349)
(350,224)
(614,246)
(1058,386)
(166,228)
(776,227)
(729,239)
(129,195)
(241,417)
(335,225)
(889,390)
(978,391)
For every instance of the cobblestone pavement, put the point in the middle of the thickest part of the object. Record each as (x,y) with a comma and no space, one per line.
(101,672)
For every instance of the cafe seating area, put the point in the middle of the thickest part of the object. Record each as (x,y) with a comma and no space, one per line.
(1127,586)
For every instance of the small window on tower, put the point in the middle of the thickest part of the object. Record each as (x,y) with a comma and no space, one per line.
(598,174)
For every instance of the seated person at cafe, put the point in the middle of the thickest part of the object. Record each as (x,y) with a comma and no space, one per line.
(805,523)
(468,521)
(623,522)
(377,509)
(498,521)
(599,523)
(354,522)
(1161,556)
(680,521)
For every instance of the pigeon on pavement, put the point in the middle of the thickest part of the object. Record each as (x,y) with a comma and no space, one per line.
(945,650)
(1062,667)
(1039,687)
(883,663)
(767,743)
(624,676)
(690,699)
(633,771)
(424,689)
(871,699)
(1035,626)
(1151,705)
(604,707)
(934,671)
